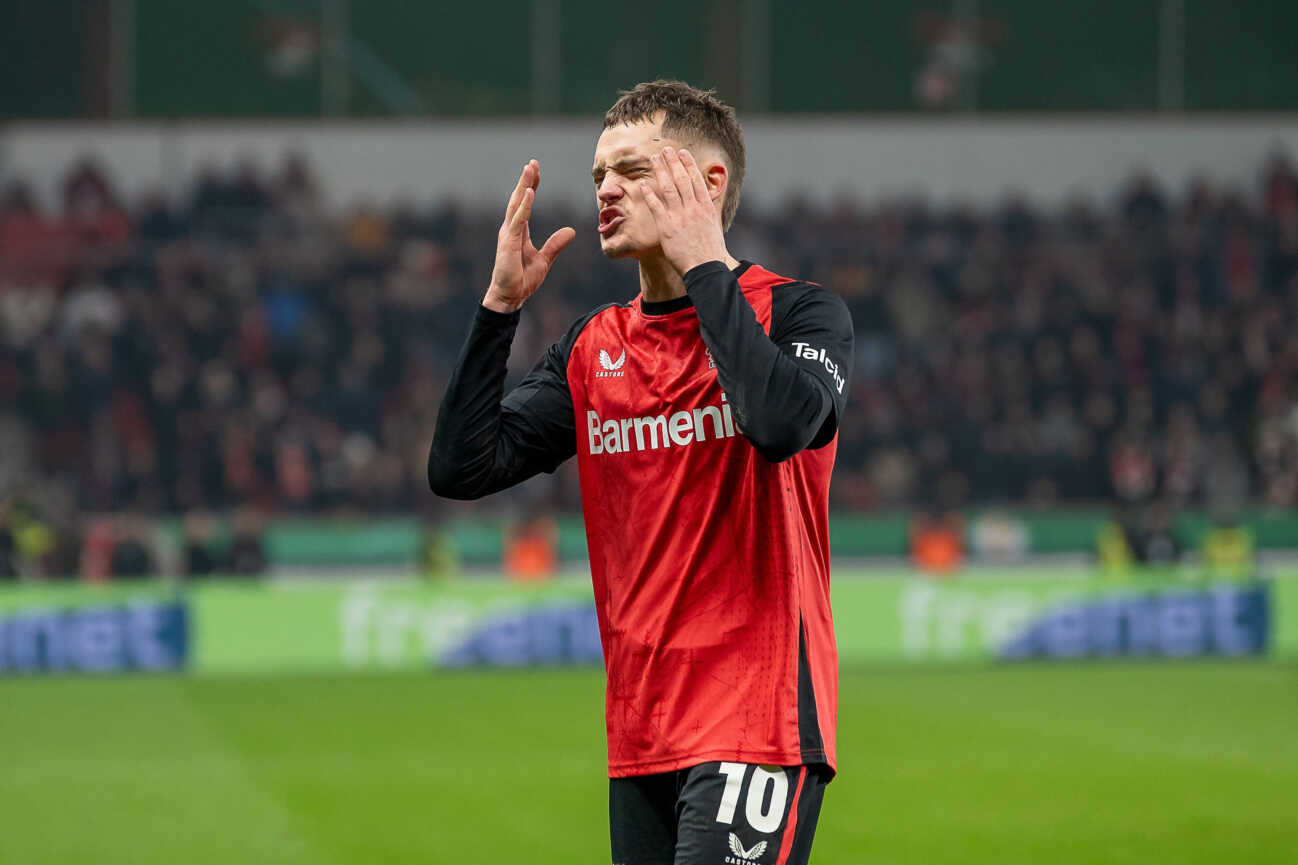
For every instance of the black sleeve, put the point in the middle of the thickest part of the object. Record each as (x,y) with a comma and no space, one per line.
(483,443)
(787,390)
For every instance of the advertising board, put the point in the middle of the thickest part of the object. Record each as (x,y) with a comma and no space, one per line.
(374,625)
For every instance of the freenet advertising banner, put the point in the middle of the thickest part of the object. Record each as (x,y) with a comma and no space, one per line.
(385,626)
(374,625)
(94,634)
(381,625)
(1028,620)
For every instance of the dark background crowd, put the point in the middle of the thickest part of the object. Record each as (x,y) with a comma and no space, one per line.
(247,347)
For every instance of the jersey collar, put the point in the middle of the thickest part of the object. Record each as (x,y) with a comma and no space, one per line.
(676,304)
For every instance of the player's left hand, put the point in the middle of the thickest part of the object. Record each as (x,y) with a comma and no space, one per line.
(689,227)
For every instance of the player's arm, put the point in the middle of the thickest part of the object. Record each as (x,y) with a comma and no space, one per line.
(785,396)
(485,441)
(786,390)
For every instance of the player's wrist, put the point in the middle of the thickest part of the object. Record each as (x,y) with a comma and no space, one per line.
(688,264)
(702,270)
(497,302)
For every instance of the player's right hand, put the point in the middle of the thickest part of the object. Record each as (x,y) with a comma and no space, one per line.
(520,266)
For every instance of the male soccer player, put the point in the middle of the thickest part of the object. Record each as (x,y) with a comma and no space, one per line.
(703,415)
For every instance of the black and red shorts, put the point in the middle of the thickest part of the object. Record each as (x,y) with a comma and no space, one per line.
(717,814)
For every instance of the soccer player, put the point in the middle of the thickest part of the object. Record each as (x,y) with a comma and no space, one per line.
(703,415)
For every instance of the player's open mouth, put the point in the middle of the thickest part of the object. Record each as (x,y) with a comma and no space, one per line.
(609,219)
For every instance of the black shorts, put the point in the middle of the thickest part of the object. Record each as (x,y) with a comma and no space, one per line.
(717,814)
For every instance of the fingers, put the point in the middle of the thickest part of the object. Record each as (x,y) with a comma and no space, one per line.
(666,183)
(517,195)
(656,206)
(556,244)
(699,185)
(530,178)
(680,177)
(518,223)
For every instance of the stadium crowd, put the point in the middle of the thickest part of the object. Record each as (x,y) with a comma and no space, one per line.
(244,346)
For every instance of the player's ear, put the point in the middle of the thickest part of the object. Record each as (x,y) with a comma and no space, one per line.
(716,177)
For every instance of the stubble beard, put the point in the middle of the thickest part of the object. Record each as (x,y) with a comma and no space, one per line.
(626,242)
(614,250)
(619,247)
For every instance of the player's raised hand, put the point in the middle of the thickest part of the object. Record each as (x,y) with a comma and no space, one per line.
(521,267)
(689,227)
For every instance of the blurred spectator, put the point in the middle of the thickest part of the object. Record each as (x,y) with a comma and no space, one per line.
(247,550)
(8,552)
(1154,542)
(937,543)
(97,548)
(1113,547)
(131,556)
(531,549)
(1228,550)
(199,560)
(32,545)
(999,537)
(34,541)
(436,556)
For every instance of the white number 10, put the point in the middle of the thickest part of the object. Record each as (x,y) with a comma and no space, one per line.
(763,820)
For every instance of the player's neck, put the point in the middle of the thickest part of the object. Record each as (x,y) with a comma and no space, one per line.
(659,281)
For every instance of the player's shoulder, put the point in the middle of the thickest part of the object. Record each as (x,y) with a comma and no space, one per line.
(603,317)
(754,277)
(608,315)
(600,313)
(791,296)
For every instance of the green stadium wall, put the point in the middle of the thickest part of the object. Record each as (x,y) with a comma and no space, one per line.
(320,542)
(221,60)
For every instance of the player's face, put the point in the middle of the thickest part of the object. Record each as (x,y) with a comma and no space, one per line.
(626,227)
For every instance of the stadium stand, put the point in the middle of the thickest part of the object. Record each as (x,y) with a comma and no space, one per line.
(247,346)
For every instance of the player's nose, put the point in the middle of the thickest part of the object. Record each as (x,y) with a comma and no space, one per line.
(609,190)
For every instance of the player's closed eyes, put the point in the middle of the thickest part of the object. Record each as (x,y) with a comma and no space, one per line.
(630,173)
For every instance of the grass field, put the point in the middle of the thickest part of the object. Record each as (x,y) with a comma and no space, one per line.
(1093,764)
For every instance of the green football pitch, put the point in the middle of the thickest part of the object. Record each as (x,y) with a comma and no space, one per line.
(1088,764)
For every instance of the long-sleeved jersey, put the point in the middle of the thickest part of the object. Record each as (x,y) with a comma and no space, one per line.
(704,429)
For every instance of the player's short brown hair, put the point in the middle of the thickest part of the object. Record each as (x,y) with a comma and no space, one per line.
(688,113)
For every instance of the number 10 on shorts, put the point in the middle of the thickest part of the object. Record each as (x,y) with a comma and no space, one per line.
(768,791)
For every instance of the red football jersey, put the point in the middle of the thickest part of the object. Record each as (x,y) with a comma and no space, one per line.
(710,563)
